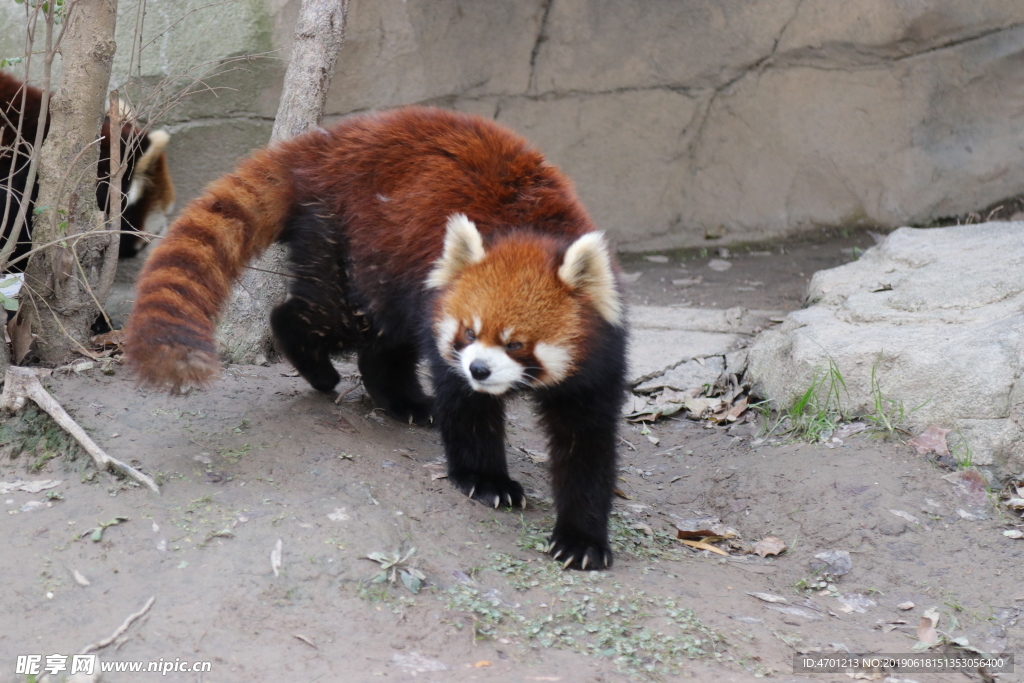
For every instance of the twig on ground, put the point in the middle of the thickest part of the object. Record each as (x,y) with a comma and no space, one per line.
(21,384)
(100,644)
(359,383)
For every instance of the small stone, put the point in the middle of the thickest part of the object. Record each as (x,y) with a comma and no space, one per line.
(905,606)
(835,562)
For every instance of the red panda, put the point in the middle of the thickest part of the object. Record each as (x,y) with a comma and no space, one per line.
(417,234)
(146,184)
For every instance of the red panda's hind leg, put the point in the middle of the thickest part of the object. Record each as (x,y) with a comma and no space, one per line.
(304,342)
(317,319)
(389,375)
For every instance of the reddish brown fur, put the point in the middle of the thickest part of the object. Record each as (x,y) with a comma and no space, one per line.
(11,92)
(426,163)
(190,272)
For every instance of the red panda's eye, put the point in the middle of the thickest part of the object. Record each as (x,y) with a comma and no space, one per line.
(470,335)
(513,346)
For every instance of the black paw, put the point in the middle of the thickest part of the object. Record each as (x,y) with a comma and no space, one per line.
(576,552)
(493,492)
(408,411)
(323,379)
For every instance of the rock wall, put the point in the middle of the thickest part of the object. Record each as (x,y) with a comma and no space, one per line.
(681,122)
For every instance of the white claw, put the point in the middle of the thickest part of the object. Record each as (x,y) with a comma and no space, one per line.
(557,555)
(410,419)
(522,504)
(607,561)
(472,491)
(509,497)
(565,565)
(431,417)
(586,559)
(497,502)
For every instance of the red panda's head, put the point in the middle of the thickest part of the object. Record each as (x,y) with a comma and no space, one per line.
(522,312)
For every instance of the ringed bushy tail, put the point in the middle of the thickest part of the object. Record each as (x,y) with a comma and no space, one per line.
(188,276)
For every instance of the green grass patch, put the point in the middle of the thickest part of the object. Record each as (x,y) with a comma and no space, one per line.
(585,612)
(818,410)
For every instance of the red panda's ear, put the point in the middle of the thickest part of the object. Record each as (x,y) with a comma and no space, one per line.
(463,247)
(587,269)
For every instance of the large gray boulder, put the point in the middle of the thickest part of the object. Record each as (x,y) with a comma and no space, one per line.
(937,314)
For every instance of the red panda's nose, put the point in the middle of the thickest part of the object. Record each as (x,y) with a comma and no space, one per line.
(479,370)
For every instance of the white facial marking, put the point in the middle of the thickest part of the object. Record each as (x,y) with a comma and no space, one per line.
(445,332)
(477,325)
(504,372)
(136,189)
(555,360)
(506,335)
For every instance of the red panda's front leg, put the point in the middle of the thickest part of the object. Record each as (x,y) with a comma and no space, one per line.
(473,429)
(581,428)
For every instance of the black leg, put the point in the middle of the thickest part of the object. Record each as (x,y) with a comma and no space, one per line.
(473,428)
(389,375)
(317,320)
(306,335)
(581,429)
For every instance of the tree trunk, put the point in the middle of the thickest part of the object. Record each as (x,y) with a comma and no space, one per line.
(244,332)
(68,279)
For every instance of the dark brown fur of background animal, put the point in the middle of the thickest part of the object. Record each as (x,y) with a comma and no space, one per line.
(158,193)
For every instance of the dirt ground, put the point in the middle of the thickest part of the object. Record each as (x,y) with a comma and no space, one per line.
(260,460)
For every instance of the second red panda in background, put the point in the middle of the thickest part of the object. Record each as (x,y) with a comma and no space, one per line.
(146,184)
(418,234)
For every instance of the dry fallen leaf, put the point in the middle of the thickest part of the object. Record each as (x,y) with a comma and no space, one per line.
(1013,533)
(339,515)
(80,578)
(437,470)
(111,339)
(926,632)
(646,528)
(931,440)
(20,332)
(703,528)
(769,597)
(703,546)
(306,640)
(481,664)
(28,486)
(906,515)
(769,546)
(700,407)
(970,486)
(275,557)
